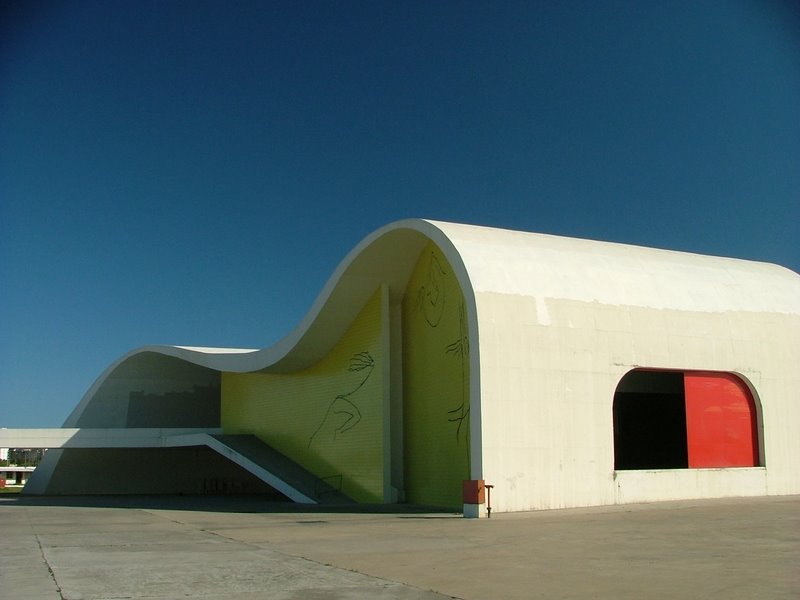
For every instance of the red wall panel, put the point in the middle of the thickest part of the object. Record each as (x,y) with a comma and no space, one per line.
(720,421)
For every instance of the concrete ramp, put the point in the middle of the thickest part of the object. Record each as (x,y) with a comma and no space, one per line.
(247,451)
(276,469)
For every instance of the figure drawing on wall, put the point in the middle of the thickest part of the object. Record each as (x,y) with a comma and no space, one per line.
(431,300)
(342,413)
(460,350)
(431,294)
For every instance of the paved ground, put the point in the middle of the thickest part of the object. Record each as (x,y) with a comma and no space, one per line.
(167,548)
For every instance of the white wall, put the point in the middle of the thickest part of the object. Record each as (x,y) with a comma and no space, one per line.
(561,320)
(548,379)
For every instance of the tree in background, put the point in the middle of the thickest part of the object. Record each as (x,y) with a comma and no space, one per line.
(25,457)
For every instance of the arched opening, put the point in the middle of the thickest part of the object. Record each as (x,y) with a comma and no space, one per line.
(676,419)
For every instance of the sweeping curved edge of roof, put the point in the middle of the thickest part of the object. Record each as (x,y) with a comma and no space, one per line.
(352,283)
(502,261)
(301,347)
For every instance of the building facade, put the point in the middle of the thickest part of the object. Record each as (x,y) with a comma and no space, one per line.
(563,372)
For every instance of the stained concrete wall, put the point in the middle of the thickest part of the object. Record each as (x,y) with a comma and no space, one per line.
(547,401)
(560,323)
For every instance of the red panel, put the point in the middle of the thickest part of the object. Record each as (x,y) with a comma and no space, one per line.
(720,421)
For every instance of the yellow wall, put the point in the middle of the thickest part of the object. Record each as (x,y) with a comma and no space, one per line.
(435,384)
(329,417)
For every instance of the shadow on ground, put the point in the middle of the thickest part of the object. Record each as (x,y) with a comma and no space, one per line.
(220,504)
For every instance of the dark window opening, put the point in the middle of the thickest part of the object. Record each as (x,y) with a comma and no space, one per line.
(650,421)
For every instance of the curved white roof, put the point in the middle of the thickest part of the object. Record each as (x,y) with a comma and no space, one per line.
(489,260)
(548,266)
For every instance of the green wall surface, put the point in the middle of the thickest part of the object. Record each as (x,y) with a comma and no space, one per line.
(435,384)
(329,417)
(332,418)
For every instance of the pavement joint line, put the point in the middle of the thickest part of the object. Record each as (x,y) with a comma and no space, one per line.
(201,529)
(44,557)
(49,568)
(332,566)
(228,539)
(300,556)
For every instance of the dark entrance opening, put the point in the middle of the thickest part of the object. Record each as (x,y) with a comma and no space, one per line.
(650,421)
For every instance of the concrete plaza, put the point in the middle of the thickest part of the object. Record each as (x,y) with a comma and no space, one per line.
(241,548)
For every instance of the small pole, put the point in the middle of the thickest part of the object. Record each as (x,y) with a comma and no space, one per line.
(489,501)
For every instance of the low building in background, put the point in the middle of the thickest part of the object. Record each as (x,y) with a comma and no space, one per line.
(13,476)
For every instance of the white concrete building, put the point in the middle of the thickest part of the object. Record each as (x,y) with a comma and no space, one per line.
(564,372)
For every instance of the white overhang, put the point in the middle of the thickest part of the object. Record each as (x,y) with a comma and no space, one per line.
(104,438)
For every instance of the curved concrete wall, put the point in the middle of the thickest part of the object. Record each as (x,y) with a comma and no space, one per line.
(561,321)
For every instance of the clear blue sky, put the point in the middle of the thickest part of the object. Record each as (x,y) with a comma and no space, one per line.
(192,172)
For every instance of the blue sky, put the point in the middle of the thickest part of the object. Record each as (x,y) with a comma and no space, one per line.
(192,172)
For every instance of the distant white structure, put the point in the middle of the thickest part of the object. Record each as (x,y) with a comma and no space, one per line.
(15,476)
(564,372)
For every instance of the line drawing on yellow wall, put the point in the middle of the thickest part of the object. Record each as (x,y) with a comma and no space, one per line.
(342,413)
(460,349)
(431,294)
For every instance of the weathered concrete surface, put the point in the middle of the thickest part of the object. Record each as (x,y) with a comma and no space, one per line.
(237,549)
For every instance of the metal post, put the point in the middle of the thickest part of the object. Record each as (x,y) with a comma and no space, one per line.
(489,501)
